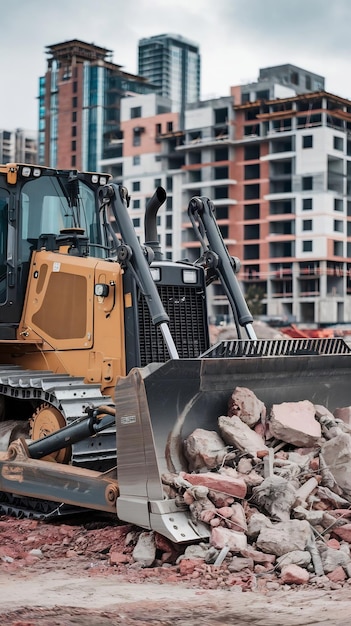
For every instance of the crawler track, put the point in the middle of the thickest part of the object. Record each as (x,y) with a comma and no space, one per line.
(71,396)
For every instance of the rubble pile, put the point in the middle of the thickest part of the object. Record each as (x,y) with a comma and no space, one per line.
(274,489)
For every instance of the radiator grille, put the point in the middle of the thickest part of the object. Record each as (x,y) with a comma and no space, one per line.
(186,308)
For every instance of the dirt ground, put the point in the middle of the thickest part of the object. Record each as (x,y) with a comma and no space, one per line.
(82,574)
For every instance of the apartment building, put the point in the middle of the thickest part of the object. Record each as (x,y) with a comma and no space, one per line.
(79,105)
(281,81)
(293,212)
(276,164)
(151,134)
(18,146)
(279,174)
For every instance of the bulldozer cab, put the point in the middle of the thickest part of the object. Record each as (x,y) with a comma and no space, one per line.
(37,206)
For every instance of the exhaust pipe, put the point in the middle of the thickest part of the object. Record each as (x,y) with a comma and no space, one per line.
(150,229)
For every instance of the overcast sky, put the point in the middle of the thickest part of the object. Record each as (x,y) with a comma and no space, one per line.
(236,38)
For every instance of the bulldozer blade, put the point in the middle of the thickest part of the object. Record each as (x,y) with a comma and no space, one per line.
(157,407)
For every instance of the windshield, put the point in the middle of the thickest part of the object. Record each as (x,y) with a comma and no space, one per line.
(49,206)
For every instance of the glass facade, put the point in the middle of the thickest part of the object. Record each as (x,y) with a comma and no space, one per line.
(172,63)
(80,95)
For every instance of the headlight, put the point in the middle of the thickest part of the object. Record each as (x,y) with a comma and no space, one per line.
(101,290)
(190,277)
(155,273)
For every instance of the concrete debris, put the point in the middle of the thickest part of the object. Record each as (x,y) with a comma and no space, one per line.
(295,423)
(144,552)
(274,486)
(239,435)
(204,450)
(221,537)
(284,537)
(247,406)
(336,453)
(296,557)
(256,522)
(239,563)
(332,558)
(293,574)
(218,482)
(199,551)
(276,496)
(344,414)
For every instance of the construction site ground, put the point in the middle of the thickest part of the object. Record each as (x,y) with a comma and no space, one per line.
(61,575)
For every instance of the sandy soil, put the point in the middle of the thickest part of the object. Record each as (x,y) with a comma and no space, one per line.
(61,575)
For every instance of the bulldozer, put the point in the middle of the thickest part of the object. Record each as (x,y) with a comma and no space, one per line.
(106,362)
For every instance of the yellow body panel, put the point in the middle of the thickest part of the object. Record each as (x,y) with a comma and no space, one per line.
(65,328)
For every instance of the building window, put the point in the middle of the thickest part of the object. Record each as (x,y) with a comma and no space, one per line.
(221,154)
(74,131)
(74,146)
(75,86)
(306,224)
(251,153)
(262,95)
(158,129)
(338,143)
(221,173)
(221,193)
(135,112)
(74,102)
(251,192)
(168,239)
(252,212)
(136,222)
(307,246)
(251,171)
(307,204)
(73,160)
(308,82)
(74,116)
(136,204)
(169,183)
(136,159)
(221,116)
(338,226)
(338,248)
(307,183)
(157,182)
(338,205)
(251,252)
(221,212)
(136,139)
(307,141)
(158,158)
(169,127)
(136,185)
(169,221)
